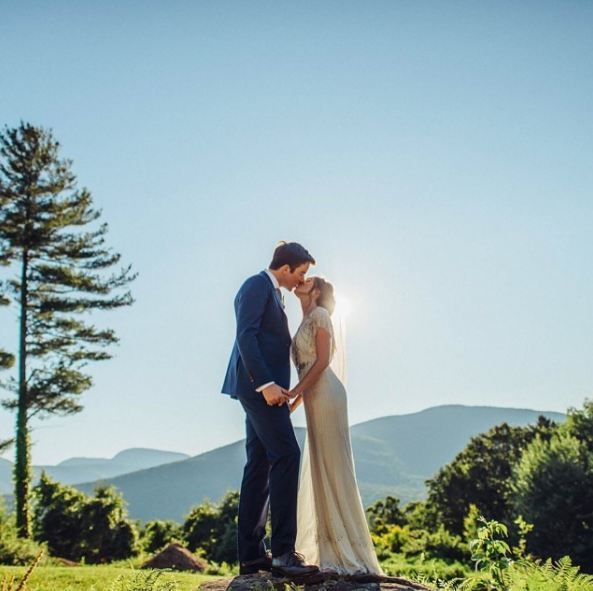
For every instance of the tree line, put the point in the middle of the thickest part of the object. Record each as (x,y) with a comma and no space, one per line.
(97,529)
(535,481)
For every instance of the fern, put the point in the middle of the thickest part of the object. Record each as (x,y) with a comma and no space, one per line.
(143,581)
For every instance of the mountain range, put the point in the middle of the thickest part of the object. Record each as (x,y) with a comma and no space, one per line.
(74,470)
(393,455)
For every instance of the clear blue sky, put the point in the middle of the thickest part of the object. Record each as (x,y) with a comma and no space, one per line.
(435,157)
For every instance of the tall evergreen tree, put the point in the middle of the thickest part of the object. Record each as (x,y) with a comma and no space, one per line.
(60,271)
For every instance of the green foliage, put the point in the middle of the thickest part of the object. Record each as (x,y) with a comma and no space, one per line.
(491,553)
(6,362)
(79,527)
(56,271)
(538,478)
(157,534)
(213,528)
(143,581)
(392,539)
(524,529)
(414,543)
(481,475)
(579,424)
(5,444)
(384,513)
(6,359)
(499,573)
(521,576)
(422,568)
(553,488)
(561,576)
(471,523)
(420,515)
(443,544)
(14,550)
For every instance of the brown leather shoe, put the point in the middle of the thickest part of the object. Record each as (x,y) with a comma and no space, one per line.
(292,565)
(250,567)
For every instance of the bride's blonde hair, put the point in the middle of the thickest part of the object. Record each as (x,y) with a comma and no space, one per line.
(326,298)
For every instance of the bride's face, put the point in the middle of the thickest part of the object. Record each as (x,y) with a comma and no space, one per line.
(306,288)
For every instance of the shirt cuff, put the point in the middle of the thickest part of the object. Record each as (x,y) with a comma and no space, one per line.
(262,388)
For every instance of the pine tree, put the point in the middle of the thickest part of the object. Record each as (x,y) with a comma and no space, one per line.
(60,271)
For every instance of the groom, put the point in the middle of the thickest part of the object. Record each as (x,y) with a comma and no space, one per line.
(258,375)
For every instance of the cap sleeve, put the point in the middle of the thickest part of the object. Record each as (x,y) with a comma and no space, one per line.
(321,319)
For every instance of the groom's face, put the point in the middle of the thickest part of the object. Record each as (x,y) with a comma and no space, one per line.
(292,279)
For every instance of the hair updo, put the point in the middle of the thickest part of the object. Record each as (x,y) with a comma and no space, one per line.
(326,298)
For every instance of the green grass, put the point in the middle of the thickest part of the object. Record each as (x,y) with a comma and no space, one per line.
(91,578)
(398,565)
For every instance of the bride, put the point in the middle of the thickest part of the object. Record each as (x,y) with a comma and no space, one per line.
(331,526)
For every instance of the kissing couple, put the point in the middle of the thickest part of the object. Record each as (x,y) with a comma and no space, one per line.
(318,520)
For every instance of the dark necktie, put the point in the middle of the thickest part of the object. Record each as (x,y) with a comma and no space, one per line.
(280,296)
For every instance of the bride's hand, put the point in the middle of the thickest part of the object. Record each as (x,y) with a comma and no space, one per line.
(295,403)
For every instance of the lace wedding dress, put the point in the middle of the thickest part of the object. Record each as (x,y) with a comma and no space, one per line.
(332,531)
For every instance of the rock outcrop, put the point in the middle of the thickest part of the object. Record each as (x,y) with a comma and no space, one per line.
(323,581)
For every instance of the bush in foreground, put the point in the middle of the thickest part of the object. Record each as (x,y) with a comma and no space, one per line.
(14,550)
(212,528)
(497,571)
(80,527)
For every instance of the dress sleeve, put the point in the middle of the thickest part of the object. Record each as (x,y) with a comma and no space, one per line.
(321,319)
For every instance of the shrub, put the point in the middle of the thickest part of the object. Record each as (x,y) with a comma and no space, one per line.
(213,528)
(143,581)
(554,492)
(440,544)
(491,553)
(384,513)
(14,550)
(445,545)
(155,535)
(77,526)
(392,540)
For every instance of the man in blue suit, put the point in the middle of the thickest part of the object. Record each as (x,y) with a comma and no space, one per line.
(258,375)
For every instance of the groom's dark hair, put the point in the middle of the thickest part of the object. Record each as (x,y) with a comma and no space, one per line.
(292,254)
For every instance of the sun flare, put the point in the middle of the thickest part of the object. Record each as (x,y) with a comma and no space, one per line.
(343,306)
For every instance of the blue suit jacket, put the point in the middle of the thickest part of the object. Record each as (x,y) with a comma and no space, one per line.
(261,352)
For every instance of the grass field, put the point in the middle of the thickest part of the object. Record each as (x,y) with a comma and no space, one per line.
(92,578)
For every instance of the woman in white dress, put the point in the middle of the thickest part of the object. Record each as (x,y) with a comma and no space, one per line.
(331,525)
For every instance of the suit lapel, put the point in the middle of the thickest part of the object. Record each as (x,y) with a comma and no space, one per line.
(275,295)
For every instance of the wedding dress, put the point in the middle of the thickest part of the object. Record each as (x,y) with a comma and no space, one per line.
(332,530)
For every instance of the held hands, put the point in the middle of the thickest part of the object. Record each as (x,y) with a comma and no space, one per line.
(298,398)
(275,395)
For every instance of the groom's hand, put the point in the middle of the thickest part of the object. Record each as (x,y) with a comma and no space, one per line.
(275,395)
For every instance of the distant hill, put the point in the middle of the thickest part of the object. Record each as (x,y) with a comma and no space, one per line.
(393,455)
(76,470)
(5,476)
